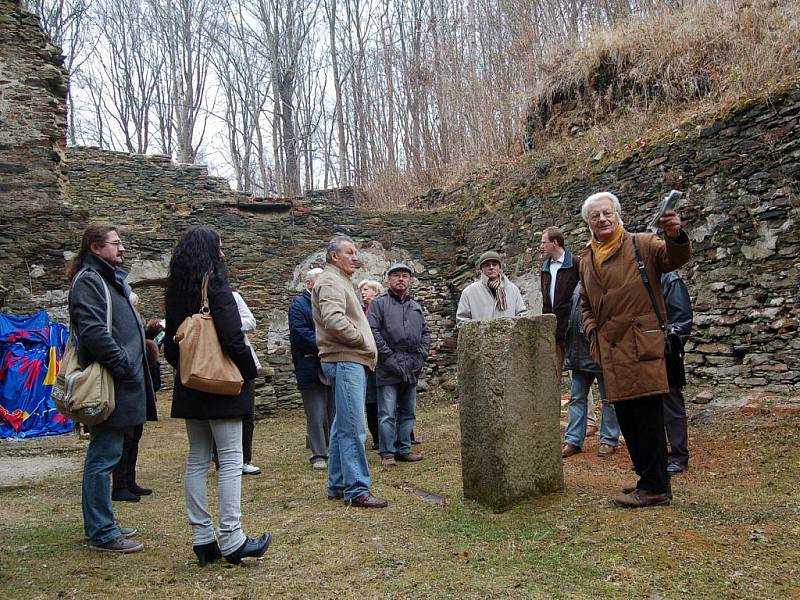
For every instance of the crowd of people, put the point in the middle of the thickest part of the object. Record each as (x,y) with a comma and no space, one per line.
(358,352)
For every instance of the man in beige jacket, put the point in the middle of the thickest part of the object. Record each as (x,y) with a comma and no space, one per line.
(346,346)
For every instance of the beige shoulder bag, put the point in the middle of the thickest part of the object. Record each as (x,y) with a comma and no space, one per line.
(84,395)
(204,366)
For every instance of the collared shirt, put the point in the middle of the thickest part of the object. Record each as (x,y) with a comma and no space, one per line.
(555,265)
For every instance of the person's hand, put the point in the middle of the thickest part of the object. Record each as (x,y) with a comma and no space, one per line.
(670,223)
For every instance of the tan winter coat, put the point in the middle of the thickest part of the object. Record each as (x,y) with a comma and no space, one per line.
(343,332)
(618,315)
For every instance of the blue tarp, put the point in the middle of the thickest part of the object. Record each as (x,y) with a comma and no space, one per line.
(30,353)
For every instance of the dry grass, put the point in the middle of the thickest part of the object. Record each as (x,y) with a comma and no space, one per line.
(712,50)
(731,532)
(643,80)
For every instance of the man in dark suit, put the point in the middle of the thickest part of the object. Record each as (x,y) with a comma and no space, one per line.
(558,279)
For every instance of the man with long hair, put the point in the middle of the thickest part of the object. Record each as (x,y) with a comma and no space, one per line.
(122,351)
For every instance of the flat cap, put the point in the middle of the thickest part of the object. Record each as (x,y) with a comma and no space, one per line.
(489,255)
(398,266)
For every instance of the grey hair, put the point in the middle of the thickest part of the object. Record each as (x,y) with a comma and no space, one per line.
(335,245)
(371,284)
(313,273)
(597,197)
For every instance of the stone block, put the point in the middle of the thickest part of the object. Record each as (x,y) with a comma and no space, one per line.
(509,394)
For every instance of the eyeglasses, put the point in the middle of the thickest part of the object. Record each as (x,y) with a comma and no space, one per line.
(117,243)
(608,214)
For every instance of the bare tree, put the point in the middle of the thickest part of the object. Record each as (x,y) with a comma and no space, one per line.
(241,73)
(129,63)
(183,29)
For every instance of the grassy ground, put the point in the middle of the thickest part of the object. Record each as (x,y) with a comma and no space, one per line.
(732,531)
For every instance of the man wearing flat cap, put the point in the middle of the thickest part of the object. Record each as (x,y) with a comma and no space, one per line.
(493,296)
(403,341)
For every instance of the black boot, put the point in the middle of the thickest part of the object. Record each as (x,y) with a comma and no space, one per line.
(140,491)
(251,547)
(124,495)
(207,553)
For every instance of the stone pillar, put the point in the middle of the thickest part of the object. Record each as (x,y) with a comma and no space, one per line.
(510,408)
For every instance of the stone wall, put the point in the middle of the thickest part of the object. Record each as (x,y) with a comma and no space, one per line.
(33,89)
(269,246)
(742,176)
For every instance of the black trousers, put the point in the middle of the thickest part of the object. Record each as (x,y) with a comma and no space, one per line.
(642,423)
(248,427)
(371,405)
(124,474)
(676,424)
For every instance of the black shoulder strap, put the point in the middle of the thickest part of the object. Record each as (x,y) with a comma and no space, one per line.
(646,281)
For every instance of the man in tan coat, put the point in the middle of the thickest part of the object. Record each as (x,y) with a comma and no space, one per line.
(346,346)
(625,336)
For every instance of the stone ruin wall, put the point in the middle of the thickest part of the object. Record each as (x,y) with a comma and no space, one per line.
(32,139)
(268,245)
(742,175)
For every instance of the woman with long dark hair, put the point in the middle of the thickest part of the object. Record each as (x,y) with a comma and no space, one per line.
(210,417)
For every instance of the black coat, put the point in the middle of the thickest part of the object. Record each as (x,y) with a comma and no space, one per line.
(401,336)
(192,404)
(303,340)
(123,351)
(567,278)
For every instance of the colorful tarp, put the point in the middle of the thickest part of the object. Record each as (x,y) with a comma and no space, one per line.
(30,354)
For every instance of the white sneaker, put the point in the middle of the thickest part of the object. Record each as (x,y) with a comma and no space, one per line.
(250,469)
(319,464)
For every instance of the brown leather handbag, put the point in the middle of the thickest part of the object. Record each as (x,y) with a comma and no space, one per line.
(203,364)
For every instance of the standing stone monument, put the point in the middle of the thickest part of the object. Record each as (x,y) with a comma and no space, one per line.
(510,408)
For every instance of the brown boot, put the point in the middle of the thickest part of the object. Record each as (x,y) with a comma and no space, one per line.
(606,450)
(642,498)
(410,457)
(367,500)
(569,450)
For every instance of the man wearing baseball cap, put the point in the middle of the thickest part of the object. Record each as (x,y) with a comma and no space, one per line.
(403,341)
(493,296)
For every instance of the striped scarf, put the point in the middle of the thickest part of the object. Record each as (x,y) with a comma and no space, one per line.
(499,293)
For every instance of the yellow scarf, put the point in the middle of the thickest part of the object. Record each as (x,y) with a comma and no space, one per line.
(602,250)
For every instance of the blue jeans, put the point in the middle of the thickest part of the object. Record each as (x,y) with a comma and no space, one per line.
(348,472)
(102,455)
(397,408)
(576,423)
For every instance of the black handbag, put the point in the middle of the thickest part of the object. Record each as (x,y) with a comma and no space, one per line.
(674,352)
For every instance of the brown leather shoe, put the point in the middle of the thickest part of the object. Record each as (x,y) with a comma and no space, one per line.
(367,500)
(569,450)
(606,450)
(642,498)
(410,457)
(627,489)
(388,461)
(591,430)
